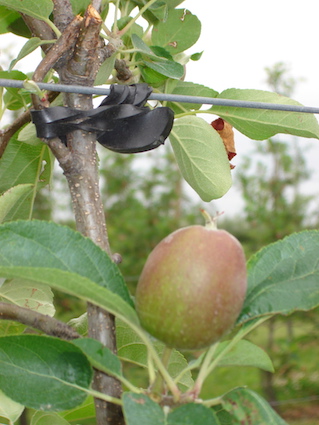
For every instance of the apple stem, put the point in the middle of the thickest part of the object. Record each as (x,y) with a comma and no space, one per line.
(203,369)
(151,369)
(210,222)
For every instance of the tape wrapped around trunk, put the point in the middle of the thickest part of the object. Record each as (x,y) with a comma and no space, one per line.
(121,122)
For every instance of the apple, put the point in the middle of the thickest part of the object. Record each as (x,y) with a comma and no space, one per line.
(192,287)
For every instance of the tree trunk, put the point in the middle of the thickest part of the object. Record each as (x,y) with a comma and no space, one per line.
(77,56)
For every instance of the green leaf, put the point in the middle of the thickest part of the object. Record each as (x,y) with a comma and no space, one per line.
(34,8)
(29,47)
(283,277)
(14,98)
(135,29)
(43,373)
(23,164)
(48,245)
(158,10)
(64,259)
(24,169)
(80,324)
(139,45)
(105,70)
(178,32)
(188,89)
(9,327)
(139,409)
(192,414)
(79,6)
(161,52)
(173,3)
(168,68)
(100,356)
(16,203)
(132,349)
(7,16)
(25,294)
(201,156)
(47,418)
(245,353)
(28,135)
(247,407)
(152,77)
(20,28)
(196,56)
(10,409)
(260,124)
(223,416)
(83,412)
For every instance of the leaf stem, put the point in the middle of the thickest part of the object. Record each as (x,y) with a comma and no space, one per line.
(197,111)
(151,369)
(212,402)
(115,16)
(158,386)
(208,366)
(158,362)
(128,384)
(37,179)
(194,365)
(102,396)
(53,27)
(133,20)
(203,371)
(106,30)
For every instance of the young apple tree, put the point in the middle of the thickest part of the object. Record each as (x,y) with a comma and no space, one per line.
(68,372)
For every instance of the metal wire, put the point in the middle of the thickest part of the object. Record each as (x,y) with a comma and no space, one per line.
(169,97)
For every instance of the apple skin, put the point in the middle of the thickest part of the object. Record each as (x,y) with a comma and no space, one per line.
(192,287)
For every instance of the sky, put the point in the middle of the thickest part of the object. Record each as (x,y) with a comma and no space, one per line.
(240,39)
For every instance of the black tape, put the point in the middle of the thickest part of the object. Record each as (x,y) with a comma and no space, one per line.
(122,123)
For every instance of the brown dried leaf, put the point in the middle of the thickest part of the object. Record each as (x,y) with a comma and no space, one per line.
(226,132)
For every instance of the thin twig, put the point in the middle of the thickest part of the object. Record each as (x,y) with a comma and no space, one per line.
(57,54)
(7,133)
(42,322)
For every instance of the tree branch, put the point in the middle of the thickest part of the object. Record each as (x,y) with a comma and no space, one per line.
(7,133)
(42,322)
(97,4)
(62,13)
(58,54)
(39,29)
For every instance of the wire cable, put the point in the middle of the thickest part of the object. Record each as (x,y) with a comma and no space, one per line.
(168,97)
